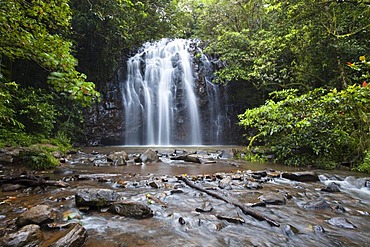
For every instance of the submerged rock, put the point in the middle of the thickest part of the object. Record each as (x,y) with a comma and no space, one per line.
(37,215)
(341,222)
(29,235)
(131,209)
(92,197)
(301,176)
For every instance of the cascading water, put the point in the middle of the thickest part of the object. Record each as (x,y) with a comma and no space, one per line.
(160,103)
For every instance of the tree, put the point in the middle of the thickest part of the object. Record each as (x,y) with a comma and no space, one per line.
(107,31)
(283,44)
(35,30)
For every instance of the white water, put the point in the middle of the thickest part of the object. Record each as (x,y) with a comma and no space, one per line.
(159,98)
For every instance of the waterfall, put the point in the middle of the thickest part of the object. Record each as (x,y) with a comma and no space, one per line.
(162,97)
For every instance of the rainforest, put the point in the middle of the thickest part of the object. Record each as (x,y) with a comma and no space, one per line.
(300,69)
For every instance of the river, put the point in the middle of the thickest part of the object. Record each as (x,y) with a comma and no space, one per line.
(181,223)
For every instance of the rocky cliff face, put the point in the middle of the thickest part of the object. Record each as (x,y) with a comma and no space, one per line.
(104,120)
(105,123)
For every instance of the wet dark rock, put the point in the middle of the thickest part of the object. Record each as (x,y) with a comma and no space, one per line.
(234,219)
(154,185)
(256,176)
(317,229)
(259,204)
(339,209)
(131,209)
(317,205)
(182,221)
(92,197)
(367,184)
(74,236)
(29,235)
(253,185)
(192,158)
(301,176)
(259,174)
(36,215)
(332,187)
(341,222)
(149,156)
(176,191)
(272,198)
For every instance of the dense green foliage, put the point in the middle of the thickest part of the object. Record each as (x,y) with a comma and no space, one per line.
(322,128)
(37,69)
(34,30)
(305,45)
(106,31)
(40,157)
(310,49)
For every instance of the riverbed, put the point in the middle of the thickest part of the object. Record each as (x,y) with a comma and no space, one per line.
(306,215)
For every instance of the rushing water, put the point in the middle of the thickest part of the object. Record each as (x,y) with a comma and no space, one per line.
(166,100)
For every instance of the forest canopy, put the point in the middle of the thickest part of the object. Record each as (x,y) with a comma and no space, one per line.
(56,55)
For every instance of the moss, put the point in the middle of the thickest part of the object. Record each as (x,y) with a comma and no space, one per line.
(40,157)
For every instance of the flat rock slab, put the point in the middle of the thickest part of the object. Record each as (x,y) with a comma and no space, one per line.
(341,222)
(301,176)
(74,236)
(92,197)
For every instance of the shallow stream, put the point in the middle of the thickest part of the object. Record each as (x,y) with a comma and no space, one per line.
(182,223)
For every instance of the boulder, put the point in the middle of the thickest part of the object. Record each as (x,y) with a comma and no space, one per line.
(301,176)
(149,156)
(36,215)
(74,236)
(192,158)
(131,209)
(29,235)
(92,197)
(118,158)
